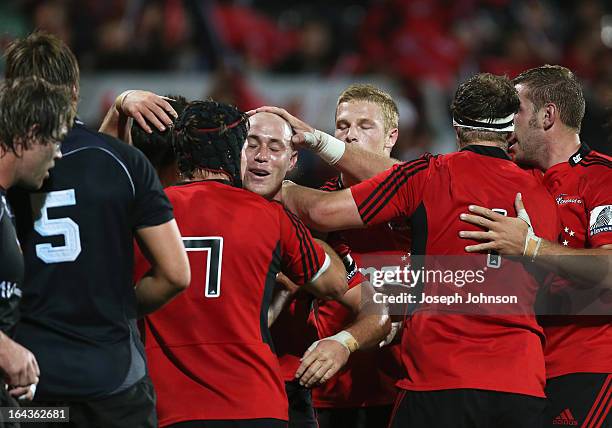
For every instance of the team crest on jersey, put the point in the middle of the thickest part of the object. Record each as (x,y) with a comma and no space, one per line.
(564,198)
(601,220)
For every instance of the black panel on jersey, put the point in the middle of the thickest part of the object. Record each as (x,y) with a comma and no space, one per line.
(78,297)
(273,270)
(11,269)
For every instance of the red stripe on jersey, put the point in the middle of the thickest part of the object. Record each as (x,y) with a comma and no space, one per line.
(387,189)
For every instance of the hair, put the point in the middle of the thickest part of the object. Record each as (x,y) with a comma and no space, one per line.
(158,145)
(374,95)
(557,85)
(33,110)
(209,136)
(484,96)
(45,56)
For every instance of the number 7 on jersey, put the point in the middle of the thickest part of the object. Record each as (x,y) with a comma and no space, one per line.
(213,245)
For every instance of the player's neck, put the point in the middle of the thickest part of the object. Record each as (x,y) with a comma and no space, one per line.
(561,150)
(203,175)
(8,170)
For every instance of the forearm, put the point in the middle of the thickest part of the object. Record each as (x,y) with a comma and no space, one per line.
(322,211)
(280,300)
(116,124)
(153,291)
(359,164)
(372,323)
(590,267)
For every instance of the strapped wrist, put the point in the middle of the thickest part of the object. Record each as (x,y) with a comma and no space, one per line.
(346,339)
(121,98)
(329,148)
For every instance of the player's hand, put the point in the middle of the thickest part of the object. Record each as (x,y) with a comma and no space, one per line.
(321,361)
(23,393)
(506,235)
(395,332)
(299,126)
(18,365)
(146,108)
(287,284)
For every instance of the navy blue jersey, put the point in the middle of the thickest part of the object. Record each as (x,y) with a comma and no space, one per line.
(79,306)
(11,268)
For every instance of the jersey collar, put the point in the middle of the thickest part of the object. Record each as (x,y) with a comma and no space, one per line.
(491,151)
(577,157)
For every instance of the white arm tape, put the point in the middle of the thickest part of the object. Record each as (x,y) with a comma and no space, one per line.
(329,148)
(344,338)
(532,242)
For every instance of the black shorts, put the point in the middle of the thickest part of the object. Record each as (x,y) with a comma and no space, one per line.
(244,423)
(134,407)
(466,408)
(579,399)
(6,400)
(355,417)
(301,412)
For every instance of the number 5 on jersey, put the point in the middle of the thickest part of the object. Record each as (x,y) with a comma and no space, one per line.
(64,226)
(213,245)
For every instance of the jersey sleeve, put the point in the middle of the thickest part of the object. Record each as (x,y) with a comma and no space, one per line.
(393,193)
(151,205)
(302,258)
(598,205)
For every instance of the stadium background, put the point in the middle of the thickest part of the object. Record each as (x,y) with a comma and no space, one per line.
(301,54)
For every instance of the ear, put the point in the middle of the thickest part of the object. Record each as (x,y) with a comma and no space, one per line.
(550,116)
(391,139)
(293,161)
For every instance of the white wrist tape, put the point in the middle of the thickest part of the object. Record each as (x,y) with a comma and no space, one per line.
(121,98)
(329,148)
(532,242)
(346,339)
(32,390)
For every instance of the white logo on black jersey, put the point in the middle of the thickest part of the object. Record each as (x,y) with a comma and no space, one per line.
(8,289)
(601,220)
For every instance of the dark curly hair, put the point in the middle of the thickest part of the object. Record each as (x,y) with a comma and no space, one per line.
(158,146)
(209,136)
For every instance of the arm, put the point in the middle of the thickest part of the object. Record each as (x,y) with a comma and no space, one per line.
(282,297)
(510,236)
(331,283)
(321,210)
(169,274)
(143,106)
(359,164)
(325,357)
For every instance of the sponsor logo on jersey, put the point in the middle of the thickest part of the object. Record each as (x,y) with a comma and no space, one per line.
(601,219)
(565,418)
(563,198)
(8,289)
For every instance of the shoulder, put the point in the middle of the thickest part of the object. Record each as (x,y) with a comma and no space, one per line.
(81,138)
(595,164)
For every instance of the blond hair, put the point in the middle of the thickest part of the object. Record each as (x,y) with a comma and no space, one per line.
(374,95)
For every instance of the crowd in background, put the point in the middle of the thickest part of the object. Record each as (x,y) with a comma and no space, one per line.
(425,47)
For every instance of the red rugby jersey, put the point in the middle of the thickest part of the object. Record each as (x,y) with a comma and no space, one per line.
(369,377)
(582,188)
(442,349)
(209,350)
